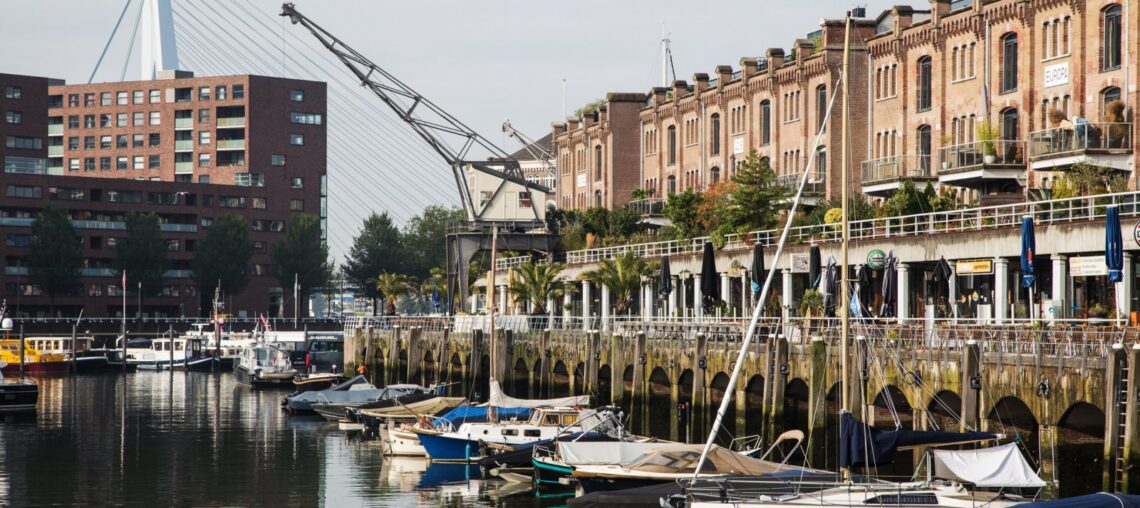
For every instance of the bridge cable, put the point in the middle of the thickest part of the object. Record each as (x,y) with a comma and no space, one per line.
(109,40)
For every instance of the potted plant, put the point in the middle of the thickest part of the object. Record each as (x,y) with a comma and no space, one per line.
(1114,115)
(987,135)
(811,305)
(1056,116)
(1098,313)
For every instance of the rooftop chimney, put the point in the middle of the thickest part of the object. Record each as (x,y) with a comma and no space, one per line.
(701,81)
(680,89)
(775,58)
(749,65)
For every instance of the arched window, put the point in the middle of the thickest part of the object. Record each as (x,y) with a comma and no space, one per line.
(598,162)
(598,198)
(672,185)
(1009,124)
(672,144)
(1009,62)
(1108,96)
(765,123)
(714,132)
(820,165)
(1110,44)
(925,83)
(714,175)
(820,105)
(924,150)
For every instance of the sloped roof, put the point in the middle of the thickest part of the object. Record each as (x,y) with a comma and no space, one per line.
(544,143)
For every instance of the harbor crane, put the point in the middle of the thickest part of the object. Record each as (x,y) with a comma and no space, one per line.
(495,196)
(535,150)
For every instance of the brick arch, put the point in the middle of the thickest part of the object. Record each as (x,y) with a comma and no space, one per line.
(718,389)
(1013,417)
(944,411)
(559,380)
(659,401)
(1079,441)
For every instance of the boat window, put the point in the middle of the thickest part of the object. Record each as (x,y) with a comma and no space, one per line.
(569,419)
(510,432)
(531,433)
(903,499)
(551,420)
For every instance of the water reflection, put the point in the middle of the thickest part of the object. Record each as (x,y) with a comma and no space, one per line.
(159,439)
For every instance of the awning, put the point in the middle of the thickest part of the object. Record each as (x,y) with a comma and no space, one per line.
(998,466)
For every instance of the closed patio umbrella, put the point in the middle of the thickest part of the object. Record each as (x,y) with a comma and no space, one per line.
(710,279)
(942,274)
(757,267)
(1113,245)
(890,287)
(864,278)
(666,285)
(813,267)
(1028,246)
(830,287)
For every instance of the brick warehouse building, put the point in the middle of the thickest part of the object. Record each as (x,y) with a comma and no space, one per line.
(922,81)
(187,149)
(596,154)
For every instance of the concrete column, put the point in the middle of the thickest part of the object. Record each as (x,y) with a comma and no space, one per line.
(586,305)
(1124,290)
(647,302)
(605,313)
(726,292)
(903,304)
(1060,290)
(682,300)
(567,302)
(544,366)
(502,290)
(745,300)
(1001,289)
(672,310)
(551,311)
(698,309)
(786,296)
(617,369)
(952,300)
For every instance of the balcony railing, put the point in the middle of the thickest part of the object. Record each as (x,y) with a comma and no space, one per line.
(178,228)
(16,221)
(183,145)
(648,206)
(231,144)
(972,155)
(99,224)
(183,123)
(55,129)
(232,122)
(1081,138)
(25,165)
(183,168)
(55,151)
(15,270)
(177,274)
(896,167)
(1056,211)
(816,182)
(97,272)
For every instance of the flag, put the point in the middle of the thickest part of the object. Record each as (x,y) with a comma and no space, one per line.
(124,280)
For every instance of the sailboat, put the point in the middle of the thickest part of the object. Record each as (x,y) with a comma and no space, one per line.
(990,471)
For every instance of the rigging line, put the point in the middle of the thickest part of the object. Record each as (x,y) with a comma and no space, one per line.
(131,44)
(107,46)
(336,140)
(360,128)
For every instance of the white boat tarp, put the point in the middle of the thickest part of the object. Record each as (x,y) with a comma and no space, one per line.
(576,453)
(500,399)
(998,466)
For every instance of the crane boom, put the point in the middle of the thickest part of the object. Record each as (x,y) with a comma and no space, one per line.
(448,136)
(535,150)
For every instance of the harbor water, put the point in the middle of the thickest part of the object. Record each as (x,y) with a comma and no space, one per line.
(201,439)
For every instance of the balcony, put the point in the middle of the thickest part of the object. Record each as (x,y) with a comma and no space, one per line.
(883,175)
(184,145)
(183,123)
(55,151)
(177,274)
(178,228)
(183,168)
(648,207)
(1097,143)
(16,221)
(55,129)
(980,163)
(97,272)
(25,165)
(814,188)
(231,122)
(231,144)
(15,270)
(99,224)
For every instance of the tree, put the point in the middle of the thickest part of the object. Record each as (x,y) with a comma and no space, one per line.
(622,275)
(757,197)
(434,286)
(223,257)
(535,283)
(142,253)
(624,222)
(681,210)
(905,201)
(302,257)
(375,250)
(425,239)
(55,254)
(391,286)
(714,201)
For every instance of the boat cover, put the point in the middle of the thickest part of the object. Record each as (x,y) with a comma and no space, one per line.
(500,399)
(861,445)
(683,459)
(998,466)
(478,414)
(1097,500)
(580,453)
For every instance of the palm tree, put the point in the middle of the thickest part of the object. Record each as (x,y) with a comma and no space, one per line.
(391,286)
(623,276)
(536,283)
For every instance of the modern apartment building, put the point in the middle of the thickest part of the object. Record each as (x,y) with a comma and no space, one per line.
(597,156)
(1047,78)
(188,149)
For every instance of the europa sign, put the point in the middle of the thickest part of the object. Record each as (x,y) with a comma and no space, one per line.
(1136,233)
(876,259)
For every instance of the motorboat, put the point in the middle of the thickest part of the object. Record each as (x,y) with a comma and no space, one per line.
(17,395)
(182,353)
(34,360)
(389,396)
(264,364)
(83,358)
(356,390)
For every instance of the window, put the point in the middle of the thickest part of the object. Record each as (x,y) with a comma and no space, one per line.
(24,143)
(714,174)
(1008,63)
(204,115)
(73,143)
(297,182)
(155,161)
(24,191)
(121,120)
(220,92)
(121,163)
(89,164)
(672,144)
(73,122)
(104,120)
(13,92)
(104,163)
(1108,96)
(204,93)
(105,99)
(277,159)
(258,203)
(138,118)
(1110,44)
(155,139)
(1009,124)
(203,137)
(121,141)
(88,121)
(138,97)
(524,199)
(105,142)
(88,142)
(203,160)
(138,140)
(139,162)
(672,185)
(206,179)
(155,96)
(297,139)
(714,133)
(239,91)
(598,162)
(121,98)
(598,198)
(925,83)
(297,95)
(231,202)
(156,118)
(13,117)
(73,164)
(765,123)
(305,118)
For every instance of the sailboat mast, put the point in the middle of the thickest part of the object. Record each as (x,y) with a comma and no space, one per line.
(491,300)
(845,302)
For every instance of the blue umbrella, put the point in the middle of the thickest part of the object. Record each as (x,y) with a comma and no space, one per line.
(1113,245)
(1028,246)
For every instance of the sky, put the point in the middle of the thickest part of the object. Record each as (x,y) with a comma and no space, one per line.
(482,61)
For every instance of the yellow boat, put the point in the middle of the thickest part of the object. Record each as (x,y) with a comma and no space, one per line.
(34,359)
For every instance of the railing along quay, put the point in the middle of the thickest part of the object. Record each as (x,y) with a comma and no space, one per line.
(1056,211)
